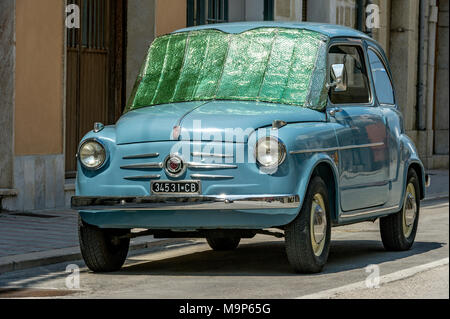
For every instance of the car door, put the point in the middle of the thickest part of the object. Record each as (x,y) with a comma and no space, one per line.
(360,131)
(382,82)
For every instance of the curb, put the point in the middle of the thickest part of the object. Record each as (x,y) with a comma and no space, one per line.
(56,256)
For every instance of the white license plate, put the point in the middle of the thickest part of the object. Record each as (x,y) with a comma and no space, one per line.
(175,187)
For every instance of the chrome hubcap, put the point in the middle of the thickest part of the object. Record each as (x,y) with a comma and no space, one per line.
(318,224)
(409,210)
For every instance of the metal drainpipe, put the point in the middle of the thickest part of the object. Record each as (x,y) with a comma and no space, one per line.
(432,33)
(421,67)
(360,15)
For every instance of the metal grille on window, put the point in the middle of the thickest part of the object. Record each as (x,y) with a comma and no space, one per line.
(200,12)
(217,11)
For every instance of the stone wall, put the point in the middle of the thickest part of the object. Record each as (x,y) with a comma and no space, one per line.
(39,181)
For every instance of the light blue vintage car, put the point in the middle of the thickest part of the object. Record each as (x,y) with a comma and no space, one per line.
(232,130)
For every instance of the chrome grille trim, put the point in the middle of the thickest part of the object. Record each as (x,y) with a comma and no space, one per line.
(210,166)
(197,154)
(142,177)
(150,155)
(143,166)
(203,176)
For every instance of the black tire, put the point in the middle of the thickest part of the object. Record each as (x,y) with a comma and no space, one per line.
(99,251)
(391,227)
(299,246)
(223,243)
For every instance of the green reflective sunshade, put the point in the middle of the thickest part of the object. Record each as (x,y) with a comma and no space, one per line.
(267,64)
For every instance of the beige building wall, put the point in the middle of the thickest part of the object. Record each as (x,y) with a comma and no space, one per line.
(170,16)
(39,77)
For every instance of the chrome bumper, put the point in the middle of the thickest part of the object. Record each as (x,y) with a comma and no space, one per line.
(231,202)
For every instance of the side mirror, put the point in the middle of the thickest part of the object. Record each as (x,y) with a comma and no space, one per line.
(339,78)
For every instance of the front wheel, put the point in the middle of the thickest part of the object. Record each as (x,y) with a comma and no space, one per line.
(102,251)
(308,236)
(398,231)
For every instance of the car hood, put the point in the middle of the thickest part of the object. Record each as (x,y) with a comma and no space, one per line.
(207,121)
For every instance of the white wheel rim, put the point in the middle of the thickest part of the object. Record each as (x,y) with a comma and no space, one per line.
(409,210)
(318,224)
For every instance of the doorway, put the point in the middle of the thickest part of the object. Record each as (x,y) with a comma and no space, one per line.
(95,81)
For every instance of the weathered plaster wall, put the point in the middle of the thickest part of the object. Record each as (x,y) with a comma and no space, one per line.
(7,70)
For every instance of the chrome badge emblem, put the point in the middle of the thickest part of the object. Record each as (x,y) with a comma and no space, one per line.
(174,165)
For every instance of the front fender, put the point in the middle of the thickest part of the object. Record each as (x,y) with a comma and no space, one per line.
(308,166)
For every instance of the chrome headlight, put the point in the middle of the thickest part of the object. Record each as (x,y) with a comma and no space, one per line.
(270,152)
(92,154)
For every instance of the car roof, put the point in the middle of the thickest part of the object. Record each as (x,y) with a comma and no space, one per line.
(330,30)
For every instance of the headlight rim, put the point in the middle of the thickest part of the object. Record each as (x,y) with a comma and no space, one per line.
(102,144)
(281,147)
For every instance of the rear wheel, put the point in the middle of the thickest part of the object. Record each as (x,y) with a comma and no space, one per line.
(223,243)
(102,251)
(308,236)
(398,231)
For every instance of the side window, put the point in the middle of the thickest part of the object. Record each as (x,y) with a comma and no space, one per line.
(382,82)
(357,80)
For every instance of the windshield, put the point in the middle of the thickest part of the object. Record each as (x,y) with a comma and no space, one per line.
(276,65)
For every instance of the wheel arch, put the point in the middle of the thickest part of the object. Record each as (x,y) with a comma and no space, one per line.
(420,171)
(322,165)
(325,171)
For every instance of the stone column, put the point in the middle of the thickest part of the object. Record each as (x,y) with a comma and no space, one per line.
(7,82)
(403,60)
(140,33)
(441,115)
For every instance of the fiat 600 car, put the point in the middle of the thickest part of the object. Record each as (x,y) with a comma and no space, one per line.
(238,129)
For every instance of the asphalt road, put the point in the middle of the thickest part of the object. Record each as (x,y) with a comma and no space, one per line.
(259,269)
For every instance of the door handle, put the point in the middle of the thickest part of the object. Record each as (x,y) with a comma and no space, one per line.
(335,110)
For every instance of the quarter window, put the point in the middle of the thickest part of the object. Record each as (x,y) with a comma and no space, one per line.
(382,82)
(357,81)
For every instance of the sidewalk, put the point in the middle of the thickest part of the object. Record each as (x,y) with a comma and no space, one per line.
(439,184)
(41,238)
(34,239)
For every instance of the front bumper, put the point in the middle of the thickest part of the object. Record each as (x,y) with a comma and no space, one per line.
(180,203)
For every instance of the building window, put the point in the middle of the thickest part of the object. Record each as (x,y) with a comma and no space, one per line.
(200,12)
